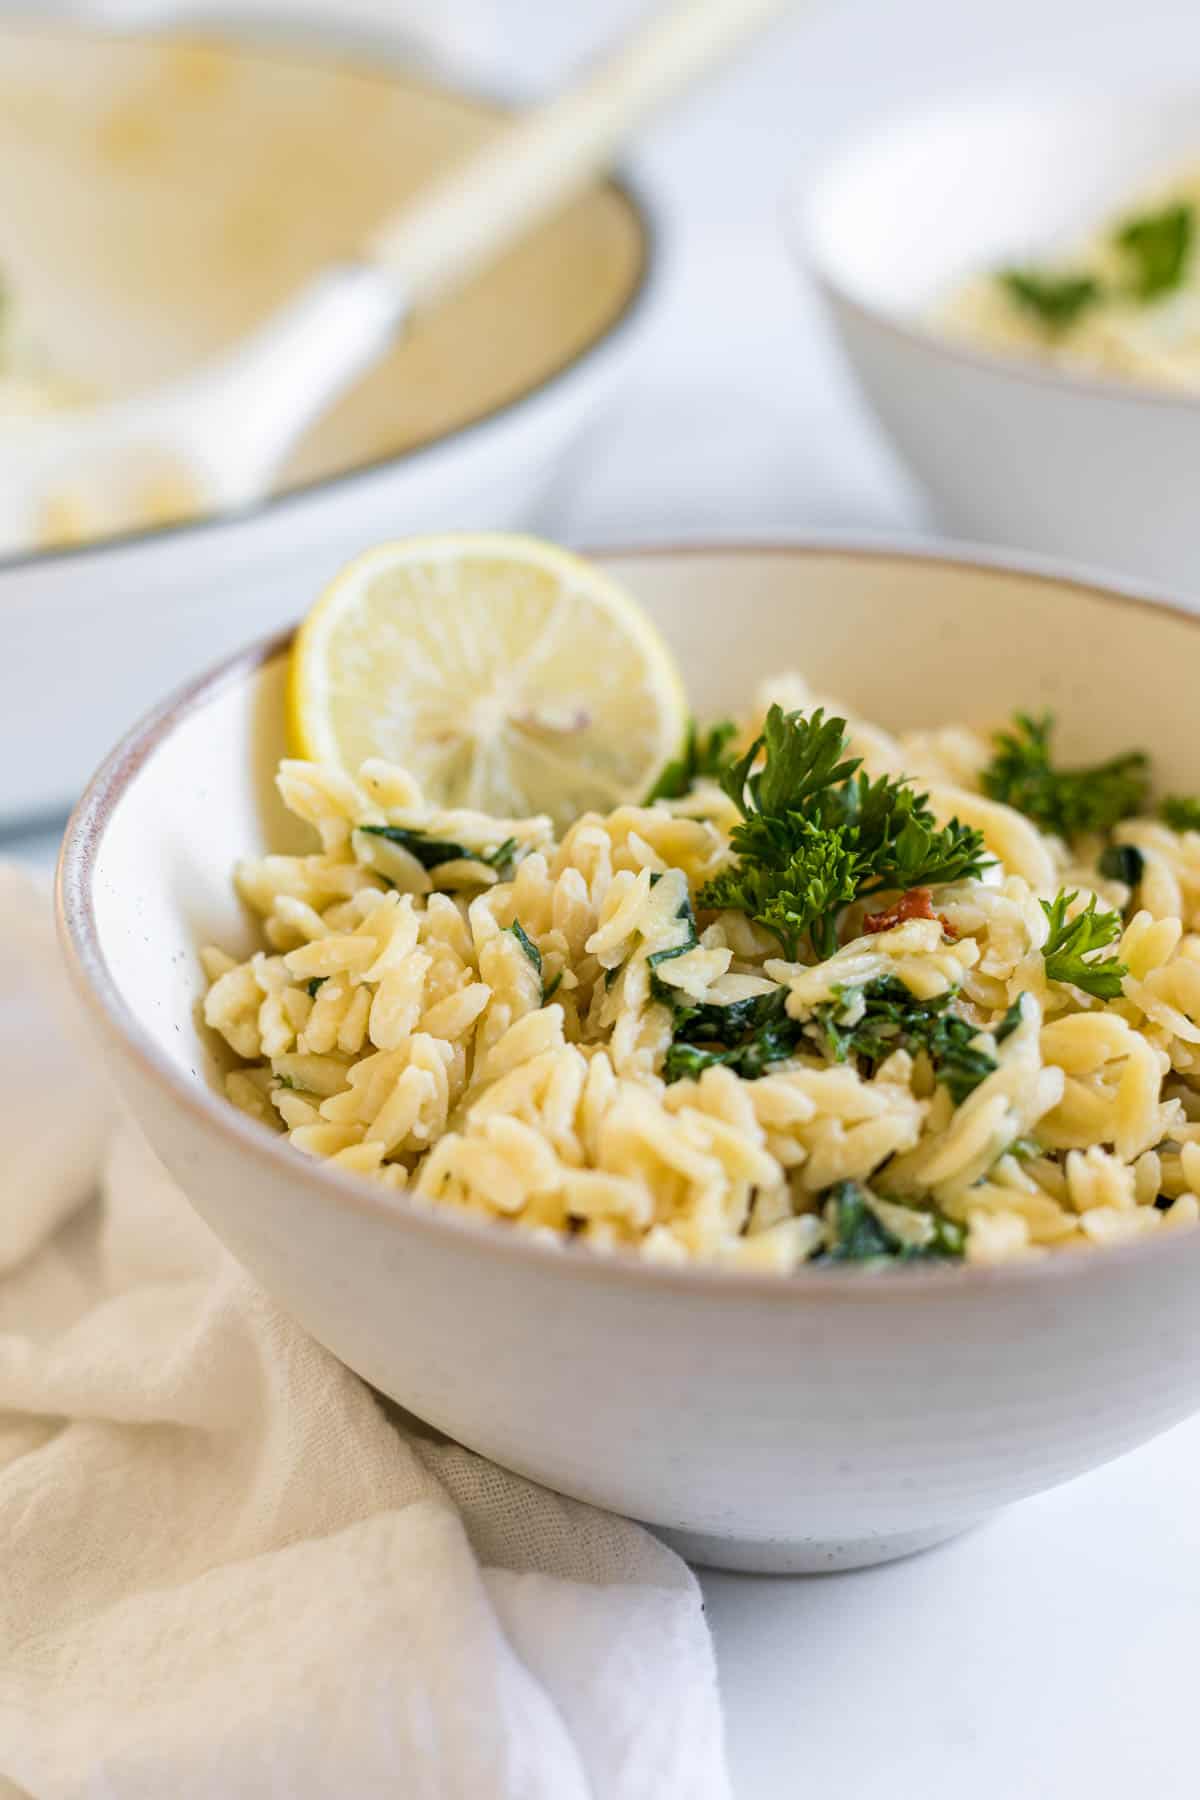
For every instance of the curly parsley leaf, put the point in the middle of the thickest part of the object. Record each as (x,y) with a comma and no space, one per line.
(815,833)
(792,877)
(1071,941)
(705,756)
(1181,812)
(1055,301)
(857,1234)
(1157,247)
(802,758)
(1066,801)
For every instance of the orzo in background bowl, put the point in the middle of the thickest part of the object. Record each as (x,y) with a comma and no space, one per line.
(1012,449)
(834,1418)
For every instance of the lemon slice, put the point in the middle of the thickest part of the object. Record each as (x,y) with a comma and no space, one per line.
(504,673)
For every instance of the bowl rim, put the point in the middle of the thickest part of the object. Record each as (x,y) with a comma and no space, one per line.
(609,340)
(102,999)
(806,195)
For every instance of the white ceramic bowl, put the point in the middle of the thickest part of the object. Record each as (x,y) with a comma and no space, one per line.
(140,250)
(1012,451)
(832,1419)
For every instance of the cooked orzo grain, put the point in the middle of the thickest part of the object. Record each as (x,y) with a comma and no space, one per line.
(790,1011)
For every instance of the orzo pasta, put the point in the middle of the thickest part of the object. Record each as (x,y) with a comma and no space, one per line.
(787,1010)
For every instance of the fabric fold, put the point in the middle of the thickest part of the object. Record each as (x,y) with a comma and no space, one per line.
(228,1569)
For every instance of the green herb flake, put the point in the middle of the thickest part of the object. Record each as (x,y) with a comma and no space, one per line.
(1009,1022)
(687,919)
(432,852)
(704,757)
(816,834)
(313,985)
(527,944)
(1066,801)
(1071,941)
(1056,301)
(1157,248)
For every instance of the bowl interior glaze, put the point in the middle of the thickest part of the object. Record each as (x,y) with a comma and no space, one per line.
(159,197)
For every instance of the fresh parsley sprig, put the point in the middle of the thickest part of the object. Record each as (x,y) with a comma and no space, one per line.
(1072,941)
(816,833)
(705,754)
(1066,801)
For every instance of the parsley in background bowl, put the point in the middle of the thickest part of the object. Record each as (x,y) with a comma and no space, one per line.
(1068,419)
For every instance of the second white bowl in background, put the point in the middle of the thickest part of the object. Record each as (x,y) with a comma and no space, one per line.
(1011,450)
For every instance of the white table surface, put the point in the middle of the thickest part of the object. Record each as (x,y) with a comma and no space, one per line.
(1050,1653)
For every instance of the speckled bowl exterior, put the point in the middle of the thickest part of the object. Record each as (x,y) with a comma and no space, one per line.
(831,1419)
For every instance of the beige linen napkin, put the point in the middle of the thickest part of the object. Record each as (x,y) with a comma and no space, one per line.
(226,1571)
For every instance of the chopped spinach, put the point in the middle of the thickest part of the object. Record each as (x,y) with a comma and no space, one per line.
(746,1036)
(857,1234)
(869,1023)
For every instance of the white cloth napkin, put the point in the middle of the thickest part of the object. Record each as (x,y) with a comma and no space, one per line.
(225,1569)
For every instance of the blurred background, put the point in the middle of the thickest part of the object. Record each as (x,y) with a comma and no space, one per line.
(733,413)
(736,404)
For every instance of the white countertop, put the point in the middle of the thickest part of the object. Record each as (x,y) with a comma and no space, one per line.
(1051,1651)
